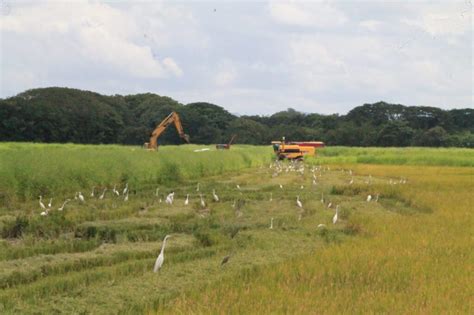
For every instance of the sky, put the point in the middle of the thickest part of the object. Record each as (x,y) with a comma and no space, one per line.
(249,57)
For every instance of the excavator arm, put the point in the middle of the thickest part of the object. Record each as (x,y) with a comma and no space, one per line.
(171,118)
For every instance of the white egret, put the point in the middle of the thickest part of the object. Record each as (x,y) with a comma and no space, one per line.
(314,182)
(170,198)
(321,226)
(44,213)
(203,204)
(157,191)
(81,197)
(41,203)
(214,195)
(115,191)
(271,196)
(302,187)
(352,181)
(92,192)
(125,190)
(186,202)
(238,186)
(103,194)
(161,257)
(64,204)
(281,186)
(271,224)
(336,216)
(329,205)
(197,187)
(126,196)
(298,202)
(369,198)
(50,204)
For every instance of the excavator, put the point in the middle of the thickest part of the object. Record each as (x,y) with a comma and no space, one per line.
(225,146)
(171,118)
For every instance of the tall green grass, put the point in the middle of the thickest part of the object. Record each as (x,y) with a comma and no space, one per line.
(28,170)
(395,156)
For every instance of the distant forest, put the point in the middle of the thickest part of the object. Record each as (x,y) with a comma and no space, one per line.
(71,115)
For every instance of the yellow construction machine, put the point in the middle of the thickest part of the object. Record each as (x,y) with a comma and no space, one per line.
(295,150)
(172,118)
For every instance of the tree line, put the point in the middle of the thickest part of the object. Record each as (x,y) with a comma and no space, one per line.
(70,115)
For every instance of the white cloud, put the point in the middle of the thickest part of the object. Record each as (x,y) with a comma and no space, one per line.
(443,19)
(319,14)
(100,33)
(371,25)
(226,74)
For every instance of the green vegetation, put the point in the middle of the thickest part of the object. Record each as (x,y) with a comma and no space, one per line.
(68,115)
(30,170)
(395,156)
(96,256)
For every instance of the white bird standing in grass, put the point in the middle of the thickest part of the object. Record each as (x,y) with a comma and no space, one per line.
(216,198)
(197,187)
(203,204)
(41,203)
(64,204)
(92,192)
(115,191)
(44,213)
(271,224)
(186,202)
(238,186)
(170,198)
(336,216)
(50,204)
(103,194)
(271,196)
(321,226)
(126,197)
(161,257)
(281,186)
(81,197)
(125,190)
(352,181)
(157,191)
(298,202)
(369,198)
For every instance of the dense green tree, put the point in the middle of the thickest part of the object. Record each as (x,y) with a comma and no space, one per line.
(70,115)
(434,137)
(395,133)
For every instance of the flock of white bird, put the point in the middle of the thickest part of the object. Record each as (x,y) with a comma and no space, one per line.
(277,168)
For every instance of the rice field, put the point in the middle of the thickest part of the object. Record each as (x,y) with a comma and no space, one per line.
(405,251)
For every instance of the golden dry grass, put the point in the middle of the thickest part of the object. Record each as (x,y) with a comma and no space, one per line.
(420,263)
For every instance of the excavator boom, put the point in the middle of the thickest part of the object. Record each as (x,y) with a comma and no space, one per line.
(171,118)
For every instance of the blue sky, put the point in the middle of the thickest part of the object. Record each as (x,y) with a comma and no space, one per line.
(249,57)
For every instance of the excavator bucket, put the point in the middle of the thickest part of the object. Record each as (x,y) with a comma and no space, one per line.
(187,138)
